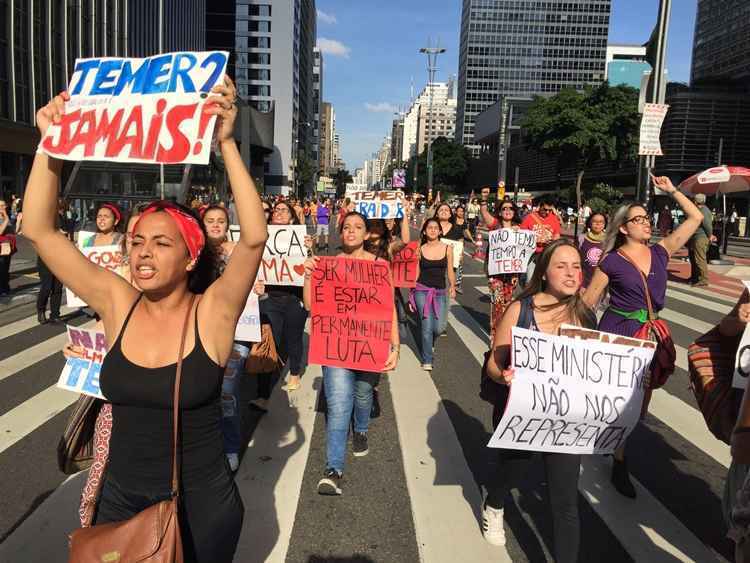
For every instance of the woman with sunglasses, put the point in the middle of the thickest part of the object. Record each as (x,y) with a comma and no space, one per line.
(170,263)
(627,258)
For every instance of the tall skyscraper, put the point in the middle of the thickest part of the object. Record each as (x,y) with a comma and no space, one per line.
(317,105)
(721,45)
(421,124)
(327,129)
(526,47)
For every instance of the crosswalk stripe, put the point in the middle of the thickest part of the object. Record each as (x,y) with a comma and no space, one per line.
(17,423)
(688,322)
(622,516)
(21,325)
(27,358)
(693,300)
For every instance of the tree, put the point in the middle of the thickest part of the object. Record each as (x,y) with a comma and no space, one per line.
(450,164)
(306,170)
(578,129)
(340,180)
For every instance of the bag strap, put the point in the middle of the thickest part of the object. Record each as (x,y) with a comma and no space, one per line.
(646,291)
(176,400)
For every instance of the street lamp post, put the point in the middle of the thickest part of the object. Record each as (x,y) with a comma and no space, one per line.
(432,54)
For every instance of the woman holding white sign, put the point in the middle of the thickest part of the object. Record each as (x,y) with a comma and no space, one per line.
(551,298)
(636,275)
(145,328)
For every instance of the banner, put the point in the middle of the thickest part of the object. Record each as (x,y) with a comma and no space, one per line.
(248,325)
(571,395)
(649,143)
(399,178)
(742,358)
(352,313)
(138,110)
(81,375)
(405,266)
(284,256)
(108,257)
(509,251)
(379,205)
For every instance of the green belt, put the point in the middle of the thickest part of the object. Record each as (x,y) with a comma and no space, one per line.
(640,315)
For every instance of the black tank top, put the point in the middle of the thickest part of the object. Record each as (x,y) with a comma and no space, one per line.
(140,448)
(432,272)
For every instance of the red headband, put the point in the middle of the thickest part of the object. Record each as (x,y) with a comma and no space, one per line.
(113,209)
(188,225)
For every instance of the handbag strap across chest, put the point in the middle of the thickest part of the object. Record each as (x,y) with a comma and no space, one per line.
(647,292)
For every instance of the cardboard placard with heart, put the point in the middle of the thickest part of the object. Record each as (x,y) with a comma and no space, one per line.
(284,257)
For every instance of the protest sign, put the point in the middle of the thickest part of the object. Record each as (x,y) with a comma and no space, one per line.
(379,205)
(742,358)
(138,110)
(405,265)
(248,325)
(108,257)
(457,248)
(233,233)
(570,395)
(284,257)
(399,178)
(352,313)
(649,143)
(81,375)
(509,251)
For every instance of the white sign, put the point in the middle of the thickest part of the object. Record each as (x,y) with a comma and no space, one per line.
(457,249)
(248,325)
(653,117)
(509,251)
(742,359)
(572,396)
(284,256)
(81,375)
(108,257)
(387,204)
(138,110)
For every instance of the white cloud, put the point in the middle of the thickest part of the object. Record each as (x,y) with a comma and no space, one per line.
(326,18)
(333,48)
(381,107)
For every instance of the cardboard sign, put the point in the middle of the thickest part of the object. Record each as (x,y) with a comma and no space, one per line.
(138,110)
(81,375)
(742,358)
(649,143)
(379,205)
(248,325)
(352,313)
(570,395)
(108,257)
(284,257)
(405,266)
(457,248)
(509,251)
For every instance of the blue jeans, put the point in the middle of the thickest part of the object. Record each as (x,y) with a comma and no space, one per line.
(432,325)
(230,398)
(347,391)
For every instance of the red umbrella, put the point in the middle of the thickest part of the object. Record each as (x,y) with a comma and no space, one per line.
(718,180)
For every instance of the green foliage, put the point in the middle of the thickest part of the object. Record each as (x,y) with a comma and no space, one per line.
(340,180)
(605,192)
(598,205)
(306,169)
(450,165)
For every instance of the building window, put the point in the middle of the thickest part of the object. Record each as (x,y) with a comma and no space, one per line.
(260,42)
(260,74)
(260,10)
(261,105)
(259,58)
(260,90)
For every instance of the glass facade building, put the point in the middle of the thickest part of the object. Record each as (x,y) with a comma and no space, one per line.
(721,45)
(524,48)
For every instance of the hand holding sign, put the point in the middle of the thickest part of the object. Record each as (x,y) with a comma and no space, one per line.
(224,106)
(510,251)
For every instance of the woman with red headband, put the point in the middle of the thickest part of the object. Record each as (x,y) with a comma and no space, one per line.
(108,217)
(143,328)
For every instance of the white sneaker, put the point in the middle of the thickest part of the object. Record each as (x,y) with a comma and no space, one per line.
(492,525)
(427,367)
(234,461)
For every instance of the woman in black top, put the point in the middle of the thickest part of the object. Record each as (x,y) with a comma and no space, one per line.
(143,327)
(455,229)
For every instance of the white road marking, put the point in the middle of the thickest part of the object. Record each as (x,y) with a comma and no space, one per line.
(702,291)
(21,325)
(693,300)
(638,537)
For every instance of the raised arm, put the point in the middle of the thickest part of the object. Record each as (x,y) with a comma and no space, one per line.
(679,236)
(98,287)
(487,217)
(405,230)
(227,295)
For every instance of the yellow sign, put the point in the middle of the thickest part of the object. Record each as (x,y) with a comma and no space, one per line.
(500,190)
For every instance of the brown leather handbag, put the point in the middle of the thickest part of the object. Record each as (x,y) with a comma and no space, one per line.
(263,357)
(152,535)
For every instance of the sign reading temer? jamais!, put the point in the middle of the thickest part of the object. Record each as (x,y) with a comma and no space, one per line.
(139,110)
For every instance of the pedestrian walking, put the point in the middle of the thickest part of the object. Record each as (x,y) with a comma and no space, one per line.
(472,215)
(348,392)
(8,248)
(590,244)
(551,298)
(144,329)
(50,287)
(323,220)
(698,244)
(452,231)
(429,299)
(635,273)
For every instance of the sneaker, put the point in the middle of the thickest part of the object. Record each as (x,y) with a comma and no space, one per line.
(234,461)
(492,525)
(359,444)
(375,410)
(427,367)
(330,484)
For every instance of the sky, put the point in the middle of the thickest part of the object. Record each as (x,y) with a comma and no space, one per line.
(371,56)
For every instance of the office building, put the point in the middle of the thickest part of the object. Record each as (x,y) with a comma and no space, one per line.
(421,124)
(626,65)
(327,129)
(721,44)
(526,47)
(317,105)
(274,69)
(397,138)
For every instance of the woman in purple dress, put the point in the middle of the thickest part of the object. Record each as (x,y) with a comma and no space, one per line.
(625,246)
